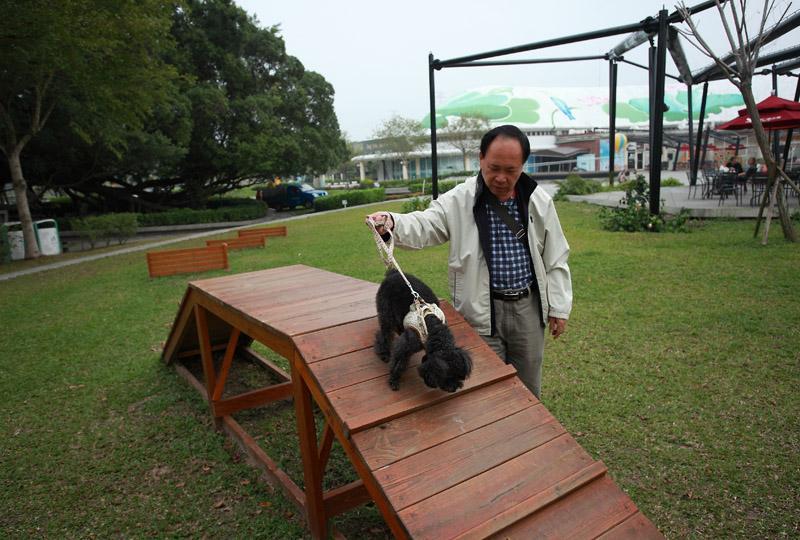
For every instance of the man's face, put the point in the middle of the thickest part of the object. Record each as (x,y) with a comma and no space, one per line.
(501,166)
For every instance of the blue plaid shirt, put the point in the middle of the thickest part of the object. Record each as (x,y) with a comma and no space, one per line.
(510,266)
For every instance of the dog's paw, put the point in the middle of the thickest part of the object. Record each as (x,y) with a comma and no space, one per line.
(452,386)
(394,384)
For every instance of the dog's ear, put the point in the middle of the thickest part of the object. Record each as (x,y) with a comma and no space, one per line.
(465,363)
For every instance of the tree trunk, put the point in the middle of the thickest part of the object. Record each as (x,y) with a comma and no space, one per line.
(24,211)
(773,181)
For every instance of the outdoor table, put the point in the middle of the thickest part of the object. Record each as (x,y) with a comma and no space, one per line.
(486,460)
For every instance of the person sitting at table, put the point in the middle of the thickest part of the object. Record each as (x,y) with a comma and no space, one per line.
(733,165)
(749,173)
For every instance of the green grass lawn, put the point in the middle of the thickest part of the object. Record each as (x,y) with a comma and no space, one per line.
(680,370)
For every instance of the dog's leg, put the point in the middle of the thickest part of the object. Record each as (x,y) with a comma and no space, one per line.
(407,344)
(383,344)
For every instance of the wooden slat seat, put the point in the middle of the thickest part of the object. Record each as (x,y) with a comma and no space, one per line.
(184,261)
(264,231)
(486,461)
(240,242)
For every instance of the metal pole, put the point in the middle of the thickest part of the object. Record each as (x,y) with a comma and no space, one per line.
(677,153)
(775,134)
(705,144)
(612,114)
(790,132)
(434,160)
(700,134)
(691,138)
(658,115)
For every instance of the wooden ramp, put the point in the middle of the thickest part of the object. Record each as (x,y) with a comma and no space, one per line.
(486,461)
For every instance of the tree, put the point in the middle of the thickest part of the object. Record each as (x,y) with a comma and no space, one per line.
(241,110)
(745,48)
(98,61)
(465,134)
(401,136)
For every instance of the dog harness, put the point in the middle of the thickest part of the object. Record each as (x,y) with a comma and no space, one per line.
(415,318)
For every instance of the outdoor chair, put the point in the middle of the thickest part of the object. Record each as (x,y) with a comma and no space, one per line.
(728,184)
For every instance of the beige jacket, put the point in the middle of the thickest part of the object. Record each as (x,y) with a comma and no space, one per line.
(451,217)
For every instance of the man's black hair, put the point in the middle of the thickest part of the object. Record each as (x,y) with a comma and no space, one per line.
(509,132)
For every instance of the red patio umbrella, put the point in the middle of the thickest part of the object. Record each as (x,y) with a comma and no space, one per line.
(775,113)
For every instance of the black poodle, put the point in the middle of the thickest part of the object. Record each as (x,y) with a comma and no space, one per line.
(444,365)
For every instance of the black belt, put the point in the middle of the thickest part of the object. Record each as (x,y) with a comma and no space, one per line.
(511,295)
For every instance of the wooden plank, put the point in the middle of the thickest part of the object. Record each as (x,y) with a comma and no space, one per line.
(441,467)
(359,366)
(636,527)
(407,435)
(361,305)
(260,459)
(255,398)
(205,350)
(181,261)
(226,364)
(585,513)
(276,341)
(254,356)
(467,505)
(524,512)
(264,231)
(325,446)
(330,342)
(183,319)
(371,402)
(342,499)
(239,242)
(312,474)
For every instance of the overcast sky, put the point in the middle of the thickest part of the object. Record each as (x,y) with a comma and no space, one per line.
(375,54)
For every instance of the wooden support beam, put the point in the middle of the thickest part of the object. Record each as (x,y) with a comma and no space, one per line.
(342,499)
(226,364)
(205,350)
(250,400)
(325,446)
(312,474)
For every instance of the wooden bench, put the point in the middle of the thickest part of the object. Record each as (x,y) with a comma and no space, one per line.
(488,460)
(241,242)
(264,231)
(183,261)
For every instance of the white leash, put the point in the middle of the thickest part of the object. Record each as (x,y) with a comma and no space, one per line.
(420,308)
(386,252)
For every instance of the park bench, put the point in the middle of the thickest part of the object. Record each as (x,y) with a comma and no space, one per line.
(488,460)
(264,231)
(183,261)
(240,242)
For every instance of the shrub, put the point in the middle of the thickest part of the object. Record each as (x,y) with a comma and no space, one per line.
(444,187)
(187,216)
(106,227)
(576,185)
(353,198)
(415,204)
(671,182)
(635,215)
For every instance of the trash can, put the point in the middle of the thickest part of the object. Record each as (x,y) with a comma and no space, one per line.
(5,249)
(47,236)
(15,241)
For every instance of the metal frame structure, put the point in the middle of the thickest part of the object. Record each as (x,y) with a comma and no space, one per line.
(666,39)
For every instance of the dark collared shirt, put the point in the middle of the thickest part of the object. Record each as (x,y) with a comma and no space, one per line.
(510,264)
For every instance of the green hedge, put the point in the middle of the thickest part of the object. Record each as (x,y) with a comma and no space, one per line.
(353,198)
(106,227)
(576,185)
(444,187)
(186,216)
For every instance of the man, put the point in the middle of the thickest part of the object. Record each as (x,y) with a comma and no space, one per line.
(507,274)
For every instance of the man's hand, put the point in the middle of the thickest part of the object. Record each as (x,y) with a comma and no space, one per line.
(557,326)
(383,221)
